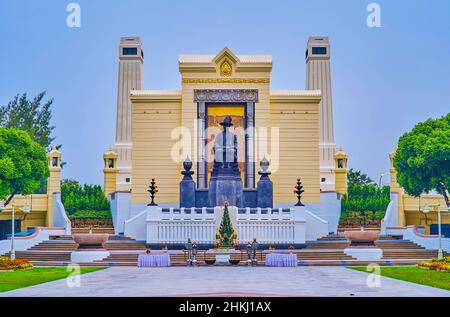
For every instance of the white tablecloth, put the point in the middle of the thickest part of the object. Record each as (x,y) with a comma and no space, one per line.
(281,259)
(154,260)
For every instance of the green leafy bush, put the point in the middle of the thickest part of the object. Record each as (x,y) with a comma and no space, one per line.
(365,201)
(91,214)
(76,197)
(91,219)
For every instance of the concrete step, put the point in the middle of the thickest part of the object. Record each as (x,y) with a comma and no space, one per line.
(41,256)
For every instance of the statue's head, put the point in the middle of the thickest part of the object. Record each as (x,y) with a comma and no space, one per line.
(227,122)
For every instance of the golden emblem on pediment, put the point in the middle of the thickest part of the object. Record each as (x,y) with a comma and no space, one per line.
(225,69)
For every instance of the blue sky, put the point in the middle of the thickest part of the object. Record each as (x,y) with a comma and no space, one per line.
(384,79)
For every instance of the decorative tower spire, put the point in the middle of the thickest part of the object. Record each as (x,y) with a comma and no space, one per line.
(318,77)
(340,171)
(109,172)
(131,59)
(53,181)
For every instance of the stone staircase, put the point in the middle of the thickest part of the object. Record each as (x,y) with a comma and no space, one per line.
(43,256)
(417,254)
(394,248)
(111,245)
(112,237)
(327,250)
(55,245)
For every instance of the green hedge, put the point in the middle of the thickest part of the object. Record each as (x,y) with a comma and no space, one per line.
(365,200)
(77,197)
(91,214)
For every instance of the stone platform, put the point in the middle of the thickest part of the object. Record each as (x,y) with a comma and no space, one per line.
(226,282)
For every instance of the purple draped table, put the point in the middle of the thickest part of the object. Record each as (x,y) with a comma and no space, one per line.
(154,260)
(281,259)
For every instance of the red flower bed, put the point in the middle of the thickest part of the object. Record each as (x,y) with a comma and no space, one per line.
(7,264)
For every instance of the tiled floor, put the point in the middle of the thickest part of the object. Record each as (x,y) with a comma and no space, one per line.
(227,281)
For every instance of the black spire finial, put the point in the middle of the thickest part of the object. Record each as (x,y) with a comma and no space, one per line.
(153,189)
(298,190)
(187,165)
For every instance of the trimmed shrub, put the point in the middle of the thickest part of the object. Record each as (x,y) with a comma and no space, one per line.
(77,197)
(365,201)
(91,214)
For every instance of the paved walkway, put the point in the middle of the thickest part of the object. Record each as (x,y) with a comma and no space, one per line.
(226,281)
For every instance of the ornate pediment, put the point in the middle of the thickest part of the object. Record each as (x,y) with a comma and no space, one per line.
(225,54)
(225,62)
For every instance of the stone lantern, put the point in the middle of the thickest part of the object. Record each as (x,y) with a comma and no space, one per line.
(110,172)
(53,182)
(340,171)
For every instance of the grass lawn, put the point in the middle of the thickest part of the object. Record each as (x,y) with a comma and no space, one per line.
(415,275)
(37,275)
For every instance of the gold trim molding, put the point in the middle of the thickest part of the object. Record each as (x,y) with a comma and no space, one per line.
(225,80)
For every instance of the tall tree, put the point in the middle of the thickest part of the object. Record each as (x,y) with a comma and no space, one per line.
(358,178)
(422,159)
(23,164)
(32,116)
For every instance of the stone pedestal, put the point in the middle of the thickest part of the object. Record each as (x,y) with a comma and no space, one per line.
(88,256)
(222,259)
(265,191)
(364,254)
(187,193)
(225,188)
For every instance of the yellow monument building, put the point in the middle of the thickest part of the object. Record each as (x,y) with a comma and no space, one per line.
(158,130)
(294,128)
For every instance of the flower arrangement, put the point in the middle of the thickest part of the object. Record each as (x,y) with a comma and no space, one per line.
(225,234)
(15,265)
(435,264)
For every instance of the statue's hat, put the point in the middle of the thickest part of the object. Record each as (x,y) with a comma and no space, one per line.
(226,122)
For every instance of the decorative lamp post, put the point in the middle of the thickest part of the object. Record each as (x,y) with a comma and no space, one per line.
(426,210)
(26,211)
(153,189)
(194,252)
(255,246)
(298,190)
(381,177)
(249,253)
(189,251)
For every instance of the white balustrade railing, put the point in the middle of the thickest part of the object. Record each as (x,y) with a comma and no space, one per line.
(271,226)
(177,231)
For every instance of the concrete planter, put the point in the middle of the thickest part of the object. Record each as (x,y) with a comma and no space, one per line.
(362,237)
(90,239)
